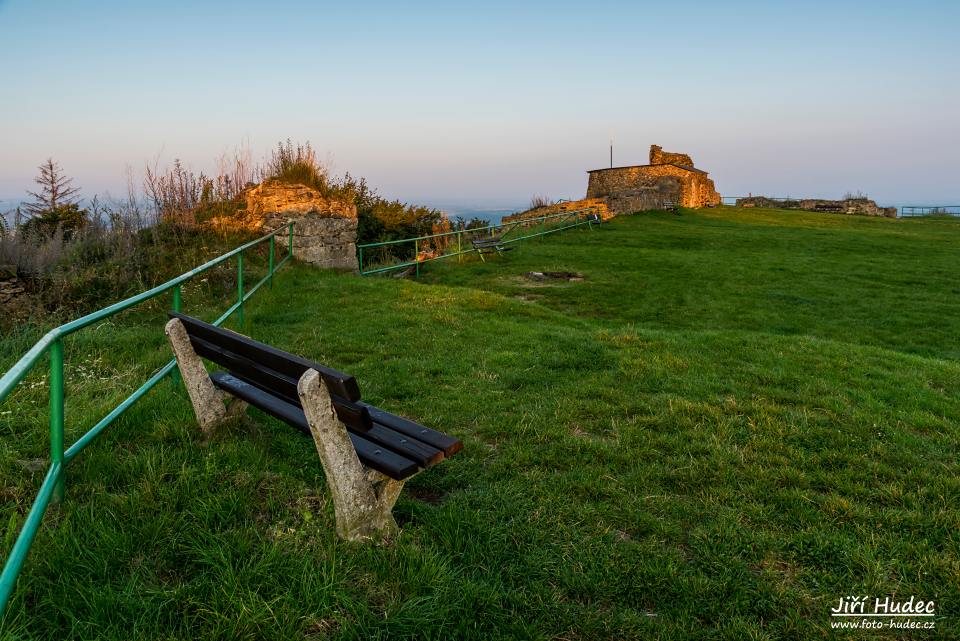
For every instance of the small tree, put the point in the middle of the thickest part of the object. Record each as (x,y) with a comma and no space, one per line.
(55,204)
(56,190)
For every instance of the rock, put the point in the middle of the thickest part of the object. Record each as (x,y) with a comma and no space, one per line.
(15,303)
(324,230)
(569,276)
(270,198)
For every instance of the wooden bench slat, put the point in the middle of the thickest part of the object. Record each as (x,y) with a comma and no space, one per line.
(339,383)
(276,383)
(357,419)
(373,455)
(439,440)
(424,455)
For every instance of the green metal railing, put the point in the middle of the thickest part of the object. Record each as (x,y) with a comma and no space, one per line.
(52,488)
(560,222)
(909,211)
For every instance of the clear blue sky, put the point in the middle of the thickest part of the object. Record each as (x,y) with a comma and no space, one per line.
(492,102)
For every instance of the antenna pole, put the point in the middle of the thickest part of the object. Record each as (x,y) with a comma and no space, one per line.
(611,153)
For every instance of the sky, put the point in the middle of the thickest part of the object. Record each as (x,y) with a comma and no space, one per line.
(492,102)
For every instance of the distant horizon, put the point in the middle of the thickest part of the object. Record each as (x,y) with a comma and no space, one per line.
(507,203)
(494,102)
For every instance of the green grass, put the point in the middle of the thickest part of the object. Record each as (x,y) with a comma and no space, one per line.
(738,417)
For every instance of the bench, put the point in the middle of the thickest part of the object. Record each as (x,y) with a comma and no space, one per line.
(669,205)
(367,453)
(488,245)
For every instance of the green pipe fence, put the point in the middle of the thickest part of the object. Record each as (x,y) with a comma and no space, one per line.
(908,211)
(53,486)
(562,220)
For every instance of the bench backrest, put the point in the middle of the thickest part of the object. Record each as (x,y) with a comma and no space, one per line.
(238,353)
(273,370)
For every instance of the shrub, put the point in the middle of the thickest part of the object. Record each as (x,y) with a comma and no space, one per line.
(296,164)
(67,218)
(539,201)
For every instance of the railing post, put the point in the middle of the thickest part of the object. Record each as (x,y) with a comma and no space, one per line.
(416,255)
(459,249)
(56,414)
(240,286)
(360,258)
(273,245)
(177,303)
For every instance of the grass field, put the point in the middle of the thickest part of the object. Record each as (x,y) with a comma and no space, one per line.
(735,419)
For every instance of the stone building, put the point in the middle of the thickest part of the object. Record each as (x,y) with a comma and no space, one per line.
(669,177)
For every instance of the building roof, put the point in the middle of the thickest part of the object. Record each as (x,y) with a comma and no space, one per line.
(684,167)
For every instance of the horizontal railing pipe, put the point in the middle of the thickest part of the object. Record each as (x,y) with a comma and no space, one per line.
(8,579)
(471,230)
(22,367)
(504,229)
(95,431)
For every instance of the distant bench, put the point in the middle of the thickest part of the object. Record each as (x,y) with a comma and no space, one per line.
(366,452)
(488,245)
(670,205)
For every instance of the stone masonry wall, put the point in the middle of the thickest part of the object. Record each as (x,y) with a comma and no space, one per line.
(324,229)
(15,303)
(849,206)
(630,189)
(660,157)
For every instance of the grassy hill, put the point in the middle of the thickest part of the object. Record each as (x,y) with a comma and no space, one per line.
(736,418)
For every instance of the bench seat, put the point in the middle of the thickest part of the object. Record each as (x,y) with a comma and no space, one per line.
(488,245)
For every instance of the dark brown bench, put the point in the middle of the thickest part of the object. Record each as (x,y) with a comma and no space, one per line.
(367,453)
(488,245)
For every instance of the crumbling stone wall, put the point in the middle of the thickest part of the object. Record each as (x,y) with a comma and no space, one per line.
(11,289)
(660,157)
(15,303)
(598,204)
(630,189)
(669,177)
(324,229)
(849,206)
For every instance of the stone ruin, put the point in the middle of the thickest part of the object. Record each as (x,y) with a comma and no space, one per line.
(670,177)
(15,303)
(850,206)
(11,289)
(324,229)
(660,157)
(597,205)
